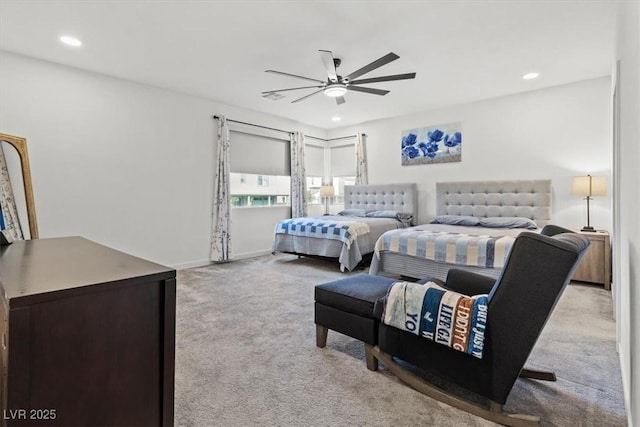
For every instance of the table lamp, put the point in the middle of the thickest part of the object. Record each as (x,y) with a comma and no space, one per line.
(589,186)
(326,192)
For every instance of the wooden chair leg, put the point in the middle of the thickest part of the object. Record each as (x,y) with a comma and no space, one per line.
(372,362)
(537,375)
(495,406)
(321,336)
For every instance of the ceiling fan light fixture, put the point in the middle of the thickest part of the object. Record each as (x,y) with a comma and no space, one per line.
(336,86)
(335,90)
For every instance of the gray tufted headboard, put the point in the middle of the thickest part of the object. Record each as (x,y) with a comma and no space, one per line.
(398,197)
(529,199)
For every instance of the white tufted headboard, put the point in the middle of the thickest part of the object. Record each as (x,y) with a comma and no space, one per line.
(398,197)
(529,199)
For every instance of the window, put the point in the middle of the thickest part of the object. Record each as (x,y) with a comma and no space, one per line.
(314,160)
(343,161)
(313,190)
(315,182)
(252,190)
(260,169)
(338,186)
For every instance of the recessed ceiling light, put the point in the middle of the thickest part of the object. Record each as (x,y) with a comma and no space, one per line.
(336,118)
(530,76)
(71,41)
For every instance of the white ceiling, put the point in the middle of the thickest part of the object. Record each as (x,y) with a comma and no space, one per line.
(462,51)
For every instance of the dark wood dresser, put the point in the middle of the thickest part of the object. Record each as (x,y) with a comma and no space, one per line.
(88,335)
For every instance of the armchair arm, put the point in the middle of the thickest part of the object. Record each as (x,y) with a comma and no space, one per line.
(552,230)
(465,282)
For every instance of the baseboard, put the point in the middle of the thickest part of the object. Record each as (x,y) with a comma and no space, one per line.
(250,254)
(205,262)
(626,386)
(188,265)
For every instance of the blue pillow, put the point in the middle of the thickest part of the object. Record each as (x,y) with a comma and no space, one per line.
(456,220)
(404,218)
(508,222)
(352,212)
(383,214)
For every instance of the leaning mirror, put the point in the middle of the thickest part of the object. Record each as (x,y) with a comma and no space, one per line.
(17,206)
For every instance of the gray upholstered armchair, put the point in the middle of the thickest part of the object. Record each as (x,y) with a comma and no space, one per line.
(519,304)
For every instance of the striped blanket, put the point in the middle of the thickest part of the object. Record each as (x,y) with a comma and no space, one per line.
(453,248)
(345,231)
(442,316)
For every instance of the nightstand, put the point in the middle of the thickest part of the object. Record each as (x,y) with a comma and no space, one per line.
(595,267)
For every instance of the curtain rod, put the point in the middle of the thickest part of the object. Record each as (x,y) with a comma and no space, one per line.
(344,137)
(289,132)
(333,139)
(315,137)
(259,126)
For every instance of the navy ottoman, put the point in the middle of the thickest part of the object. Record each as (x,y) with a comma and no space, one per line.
(346,306)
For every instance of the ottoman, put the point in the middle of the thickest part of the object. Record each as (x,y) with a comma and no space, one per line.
(346,306)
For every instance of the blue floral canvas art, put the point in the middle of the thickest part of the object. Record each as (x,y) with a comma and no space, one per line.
(432,144)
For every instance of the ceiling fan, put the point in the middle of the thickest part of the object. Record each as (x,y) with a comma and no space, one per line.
(336,86)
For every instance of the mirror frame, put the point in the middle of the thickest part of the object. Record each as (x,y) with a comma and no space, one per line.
(20,144)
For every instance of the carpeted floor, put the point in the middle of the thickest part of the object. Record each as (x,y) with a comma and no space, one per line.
(246,356)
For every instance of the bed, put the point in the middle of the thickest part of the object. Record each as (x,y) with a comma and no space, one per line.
(368,213)
(461,237)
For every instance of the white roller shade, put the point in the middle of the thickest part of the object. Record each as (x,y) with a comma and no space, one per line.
(257,154)
(314,160)
(343,160)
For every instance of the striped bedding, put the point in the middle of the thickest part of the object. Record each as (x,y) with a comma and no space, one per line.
(481,250)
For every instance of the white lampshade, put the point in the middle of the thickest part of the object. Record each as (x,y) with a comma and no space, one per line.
(326,191)
(589,186)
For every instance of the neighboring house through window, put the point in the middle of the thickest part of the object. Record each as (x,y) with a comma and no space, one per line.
(266,190)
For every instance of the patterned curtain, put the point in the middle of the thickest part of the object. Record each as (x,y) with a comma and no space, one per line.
(298,176)
(8,210)
(361,160)
(220,238)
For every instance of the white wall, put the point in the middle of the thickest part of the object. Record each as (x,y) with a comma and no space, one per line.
(124,164)
(252,229)
(553,133)
(627,239)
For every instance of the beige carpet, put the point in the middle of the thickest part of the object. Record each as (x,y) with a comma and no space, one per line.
(246,356)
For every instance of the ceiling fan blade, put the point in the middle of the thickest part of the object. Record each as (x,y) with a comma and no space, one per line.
(339,100)
(384,79)
(375,64)
(296,76)
(306,96)
(329,65)
(368,90)
(292,88)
